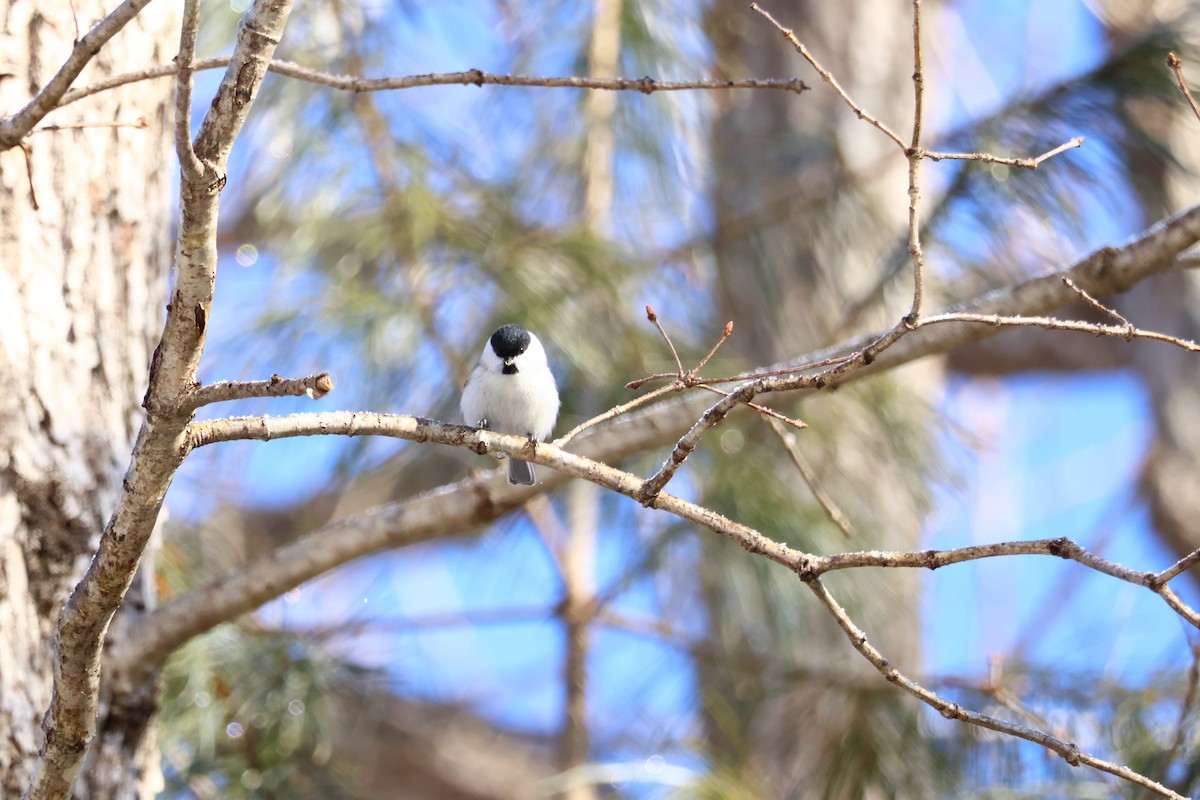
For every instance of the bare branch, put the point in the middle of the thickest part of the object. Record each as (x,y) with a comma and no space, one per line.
(687,444)
(1180,566)
(915,253)
(772,372)
(658,376)
(614,412)
(471,77)
(913,154)
(1008,161)
(790,35)
(141,123)
(1176,67)
(243,78)
(831,509)
(725,334)
(648,492)
(314,386)
(150,73)
(1104,272)
(185,64)
(1068,750)
(181,617)
(1050,323)
(1096,304)
(918,78)
(650,315)
(691,377)
(1177,605)
(770,413)
(1061,547)
(14,128)
(457,508)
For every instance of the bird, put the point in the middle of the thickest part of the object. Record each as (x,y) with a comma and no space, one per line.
(511,390)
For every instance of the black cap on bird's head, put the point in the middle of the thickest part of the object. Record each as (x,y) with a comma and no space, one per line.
(508,342)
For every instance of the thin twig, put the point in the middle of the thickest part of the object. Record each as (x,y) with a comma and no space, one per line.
(770,413)
(1177,605)
(918,78)
(432,509)
(843,365)
(1176,66)
(649,491)
(688,442)
(1008,161)
(141,123)
(314,386)
(1050,323)
(1068,750)
(1180,566)
(790,35)
(782,371)
(725,334)
(1061,547)
(691,378)
(766,373)
(913,154)
(185,64)
(831,509)
(1096,304)
(615,412)
(650,315)
(658,376)
(14,128)
(915,253)
(473,77)
(472,502)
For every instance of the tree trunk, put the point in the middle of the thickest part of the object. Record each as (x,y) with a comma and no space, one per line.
(82,286)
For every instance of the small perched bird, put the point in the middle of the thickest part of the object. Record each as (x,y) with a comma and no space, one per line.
(511,390)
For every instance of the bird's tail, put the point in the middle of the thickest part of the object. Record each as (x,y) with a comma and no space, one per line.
(520,472)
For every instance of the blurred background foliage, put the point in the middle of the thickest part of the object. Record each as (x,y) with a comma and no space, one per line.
(382,236)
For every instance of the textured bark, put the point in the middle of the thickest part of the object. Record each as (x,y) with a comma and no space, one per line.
(82,283)
(70,723)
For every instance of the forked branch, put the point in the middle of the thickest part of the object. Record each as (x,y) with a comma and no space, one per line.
(470,77)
